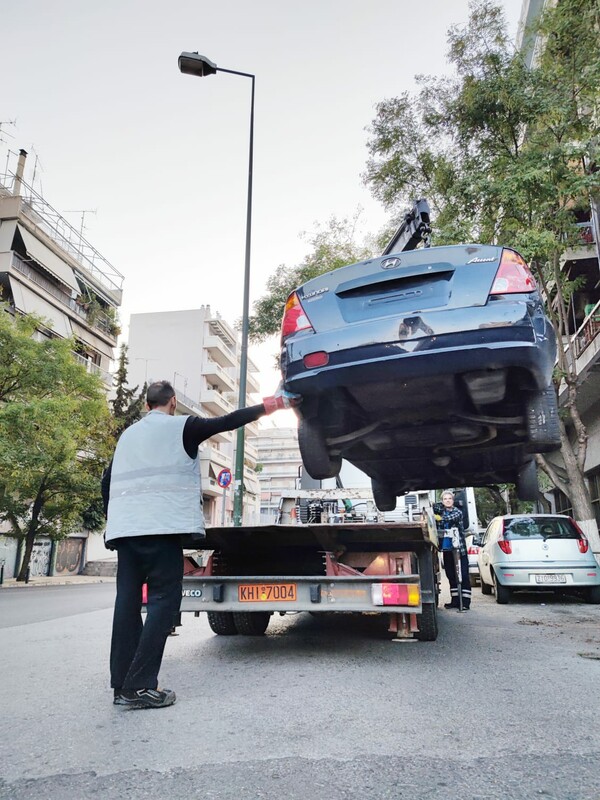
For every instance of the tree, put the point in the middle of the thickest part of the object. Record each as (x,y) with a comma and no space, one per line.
(332,245)
(54,434)
(506,154)
(127,406)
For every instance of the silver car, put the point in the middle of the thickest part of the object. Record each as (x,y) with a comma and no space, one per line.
(537,552)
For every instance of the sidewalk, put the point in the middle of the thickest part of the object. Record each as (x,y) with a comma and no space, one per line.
(55,580)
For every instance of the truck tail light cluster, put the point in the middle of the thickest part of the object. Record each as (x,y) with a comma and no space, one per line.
(294,318)
(395,594)
(513,275)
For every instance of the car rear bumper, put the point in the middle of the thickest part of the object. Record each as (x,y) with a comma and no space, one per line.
(443,355)
(534,576)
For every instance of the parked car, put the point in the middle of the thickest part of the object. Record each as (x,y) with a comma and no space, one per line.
(428,368)
(537,552)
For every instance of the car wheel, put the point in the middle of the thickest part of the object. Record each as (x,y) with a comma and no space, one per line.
(251,623)
(592,595)
(316,459)
(384,496)
(502,592)
(543,426)
(485,587)
(527,482)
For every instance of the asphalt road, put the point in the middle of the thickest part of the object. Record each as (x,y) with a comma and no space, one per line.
(504,705)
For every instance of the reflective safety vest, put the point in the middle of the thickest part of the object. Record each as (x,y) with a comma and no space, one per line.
(154,485)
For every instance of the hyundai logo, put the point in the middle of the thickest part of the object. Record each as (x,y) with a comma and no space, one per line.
(390,263)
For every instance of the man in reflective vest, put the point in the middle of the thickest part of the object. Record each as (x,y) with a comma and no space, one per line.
(152,494)
(449,517)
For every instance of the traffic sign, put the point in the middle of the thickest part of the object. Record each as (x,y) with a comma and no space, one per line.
(224,478)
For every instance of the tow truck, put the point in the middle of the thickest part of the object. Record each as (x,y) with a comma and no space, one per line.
(243,575)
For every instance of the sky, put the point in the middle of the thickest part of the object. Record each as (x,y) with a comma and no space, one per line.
(159,160)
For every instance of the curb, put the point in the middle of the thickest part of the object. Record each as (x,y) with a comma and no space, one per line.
(12,583)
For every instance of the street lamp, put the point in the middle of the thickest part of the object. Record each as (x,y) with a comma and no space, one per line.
(200,66)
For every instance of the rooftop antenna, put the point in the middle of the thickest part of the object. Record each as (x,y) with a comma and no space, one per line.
(12,122)
(83,212)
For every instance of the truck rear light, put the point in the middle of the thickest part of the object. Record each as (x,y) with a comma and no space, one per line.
(473,550)
(505,546)
(144,593)
(294,318)
(319,359)
(395,594)
(583,544)
(513,275)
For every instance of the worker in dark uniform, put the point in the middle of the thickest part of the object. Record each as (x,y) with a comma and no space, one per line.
(447,518)
(152,494)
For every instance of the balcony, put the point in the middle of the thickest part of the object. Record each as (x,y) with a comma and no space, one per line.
(250,449)
(94,369)
(216,403)
(217,376)
(587,246)
(219,459)
(219,352)
(252,383)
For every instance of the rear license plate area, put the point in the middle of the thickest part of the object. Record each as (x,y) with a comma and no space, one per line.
(267,592)
(550,578)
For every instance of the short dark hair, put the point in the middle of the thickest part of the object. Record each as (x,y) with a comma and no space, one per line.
(159,393)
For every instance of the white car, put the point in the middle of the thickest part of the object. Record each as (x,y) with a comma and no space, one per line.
(537,552)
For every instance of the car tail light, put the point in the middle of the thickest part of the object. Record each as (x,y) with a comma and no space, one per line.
(319,359)
(294,318)
(395,594)
(505,546)
(513,275)
(583,545)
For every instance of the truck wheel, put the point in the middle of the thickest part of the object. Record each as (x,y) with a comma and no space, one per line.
(543,426)
(251,623)
(385,498)
(317,460)
(527,482)
(427,622)
(222,623)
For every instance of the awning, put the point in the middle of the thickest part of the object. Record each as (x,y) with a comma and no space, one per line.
(86,336)
(29,302)
(7,234)
(49,260)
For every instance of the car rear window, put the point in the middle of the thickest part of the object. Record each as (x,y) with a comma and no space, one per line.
(539,528)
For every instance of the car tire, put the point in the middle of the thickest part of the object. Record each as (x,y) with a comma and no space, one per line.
(543,427)
(485,587)
(251,623)
(527,482)
(427,622)
(316,459)
(383,495)
(592,595)
(222,623)
(502,592)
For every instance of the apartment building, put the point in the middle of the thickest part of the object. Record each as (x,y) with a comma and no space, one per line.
(199,353)
(281,468)
(48,268)
(581,262)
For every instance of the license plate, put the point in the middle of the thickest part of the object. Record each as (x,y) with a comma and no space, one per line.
(550,578)
(267,592)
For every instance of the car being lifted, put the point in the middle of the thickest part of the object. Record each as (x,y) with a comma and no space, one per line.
(427,367)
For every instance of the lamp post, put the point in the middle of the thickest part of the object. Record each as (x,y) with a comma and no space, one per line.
(200,66)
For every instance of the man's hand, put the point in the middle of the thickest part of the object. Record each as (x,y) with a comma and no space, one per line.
(281,399)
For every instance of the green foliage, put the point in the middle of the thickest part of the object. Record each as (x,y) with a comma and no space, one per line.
(333,245)
(127,405)
(54,434)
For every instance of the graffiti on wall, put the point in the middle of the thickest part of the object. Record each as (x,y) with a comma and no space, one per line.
(40,558)
(68,556)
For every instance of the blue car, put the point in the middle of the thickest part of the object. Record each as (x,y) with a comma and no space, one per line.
(429,368)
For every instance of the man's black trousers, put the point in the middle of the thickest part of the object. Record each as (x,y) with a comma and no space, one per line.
(136,647)
(465,585)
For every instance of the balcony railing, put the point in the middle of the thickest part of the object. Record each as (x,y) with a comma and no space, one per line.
(101,321)
(588,331)
(94,369)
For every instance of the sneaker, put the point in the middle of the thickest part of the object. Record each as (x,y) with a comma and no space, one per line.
(453,604)
(117,699)
(145,698)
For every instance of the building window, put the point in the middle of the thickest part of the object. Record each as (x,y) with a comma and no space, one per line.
(594,484)
(563,504)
